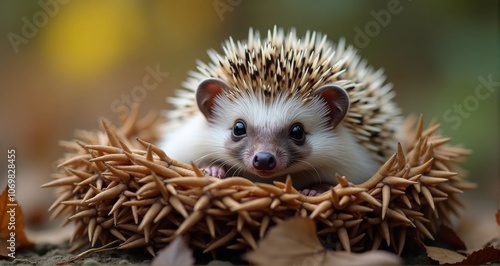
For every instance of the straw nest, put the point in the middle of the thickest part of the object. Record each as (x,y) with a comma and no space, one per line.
(122,191)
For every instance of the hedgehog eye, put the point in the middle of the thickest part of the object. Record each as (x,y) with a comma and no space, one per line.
(239,130)
(297,134)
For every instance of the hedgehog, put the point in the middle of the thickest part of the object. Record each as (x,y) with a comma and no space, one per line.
(268,108)
(307,109)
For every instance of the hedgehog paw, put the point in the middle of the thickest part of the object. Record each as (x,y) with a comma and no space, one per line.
(314,190)
(215,171)
(310,192)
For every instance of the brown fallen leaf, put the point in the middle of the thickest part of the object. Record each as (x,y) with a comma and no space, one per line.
(478,223)
(479,257)
(295,242)
(12,236)
(449,257)
(498,216)
(176,253)
(449,236)
(443,255)
(56,236)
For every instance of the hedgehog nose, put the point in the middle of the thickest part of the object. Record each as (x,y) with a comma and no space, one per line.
(264,161)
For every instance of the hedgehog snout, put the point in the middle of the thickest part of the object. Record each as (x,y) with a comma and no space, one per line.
(264,161)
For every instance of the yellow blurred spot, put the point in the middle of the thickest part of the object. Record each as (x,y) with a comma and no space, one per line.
(87,38)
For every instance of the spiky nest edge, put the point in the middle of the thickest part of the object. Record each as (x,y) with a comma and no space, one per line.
(124,191)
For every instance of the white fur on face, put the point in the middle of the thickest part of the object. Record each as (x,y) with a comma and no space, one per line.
(281,112)
(331,150)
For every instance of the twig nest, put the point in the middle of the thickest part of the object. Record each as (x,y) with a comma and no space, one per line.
(121,190)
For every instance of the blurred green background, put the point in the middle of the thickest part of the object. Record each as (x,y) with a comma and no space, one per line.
(65,63)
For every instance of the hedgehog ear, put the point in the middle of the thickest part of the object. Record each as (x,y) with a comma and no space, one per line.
(207,92)
(337,100)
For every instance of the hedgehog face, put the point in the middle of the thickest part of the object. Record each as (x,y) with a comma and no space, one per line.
(272,137)
(267,139)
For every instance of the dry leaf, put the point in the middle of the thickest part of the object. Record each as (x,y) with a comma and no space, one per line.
(449,236)
(375,257)
(295,242)
(56,236)
(479,257)
(12,236)
(498,216)
(443,255)
(176,253)
(297,235)
(477,226)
